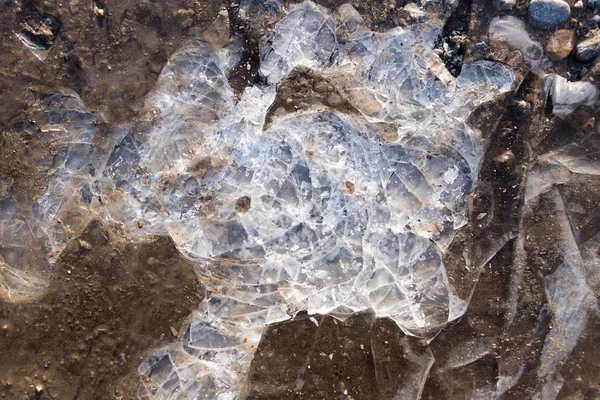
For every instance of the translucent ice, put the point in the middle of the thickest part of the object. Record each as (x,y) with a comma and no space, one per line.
(567,96)
(317,210)
(511,30)
(306,36)
(35,233)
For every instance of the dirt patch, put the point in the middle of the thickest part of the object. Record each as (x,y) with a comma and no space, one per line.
(109,302)
(110,53)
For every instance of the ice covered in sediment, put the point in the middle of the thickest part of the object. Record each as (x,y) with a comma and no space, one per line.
(64,208)
(556,182)
(34,234)
(512,31)
(568,293)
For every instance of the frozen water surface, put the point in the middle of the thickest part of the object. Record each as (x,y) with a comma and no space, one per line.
(317,210)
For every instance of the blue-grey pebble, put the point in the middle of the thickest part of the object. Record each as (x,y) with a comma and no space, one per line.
(548,14)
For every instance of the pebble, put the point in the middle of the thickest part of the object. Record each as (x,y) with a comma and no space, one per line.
(514,59)
(560,44)
(84,245)
(548,14)
(504,5)
(588,49)
(593,4)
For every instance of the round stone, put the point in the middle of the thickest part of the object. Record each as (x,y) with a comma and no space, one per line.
(548,14)
(560,44)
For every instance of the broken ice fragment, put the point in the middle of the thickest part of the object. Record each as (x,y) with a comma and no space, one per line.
(305,37)
(567,96)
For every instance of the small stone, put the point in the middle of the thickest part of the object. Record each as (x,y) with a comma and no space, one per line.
(579,4)
(548,14)
(498,51)
(349,187)
(593,4)
(99,12)
(588,49)
(506,158)
(140,224)
(560,44)
(243,204)
(480,51)
(84,245)
(515,59)
(504,5)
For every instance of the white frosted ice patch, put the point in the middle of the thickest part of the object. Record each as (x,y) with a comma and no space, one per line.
(567,96)
(305,37)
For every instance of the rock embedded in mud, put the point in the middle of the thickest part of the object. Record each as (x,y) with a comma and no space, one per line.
(560,44)
(548,14)
(587,50)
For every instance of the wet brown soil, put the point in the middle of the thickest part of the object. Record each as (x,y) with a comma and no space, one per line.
(111,59)
(108,303)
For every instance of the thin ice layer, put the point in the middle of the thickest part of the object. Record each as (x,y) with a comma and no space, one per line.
(321,210)
(36,231)
(315,211)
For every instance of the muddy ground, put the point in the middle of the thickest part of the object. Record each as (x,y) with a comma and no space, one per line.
(109,302)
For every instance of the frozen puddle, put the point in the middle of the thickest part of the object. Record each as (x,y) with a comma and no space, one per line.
(320,210)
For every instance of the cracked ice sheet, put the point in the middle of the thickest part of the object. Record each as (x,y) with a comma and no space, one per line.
(555,274)
(34,235)
(334,221)
(314,212)
(570,287)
